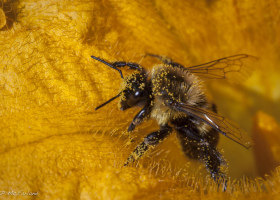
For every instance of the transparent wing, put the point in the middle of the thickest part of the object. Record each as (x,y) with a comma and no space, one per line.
(237,68)
(225,126)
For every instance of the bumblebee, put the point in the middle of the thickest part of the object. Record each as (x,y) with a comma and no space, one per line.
(174,96)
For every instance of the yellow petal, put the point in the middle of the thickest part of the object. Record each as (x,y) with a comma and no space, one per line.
(267,143)
(56,146)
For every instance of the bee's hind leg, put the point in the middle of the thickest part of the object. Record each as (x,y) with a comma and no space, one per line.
(150,140)
(203,149)
(166,60)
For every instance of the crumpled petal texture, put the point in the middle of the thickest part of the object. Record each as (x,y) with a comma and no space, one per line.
(53,142)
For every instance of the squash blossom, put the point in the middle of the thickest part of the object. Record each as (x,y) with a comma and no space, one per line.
(54,145)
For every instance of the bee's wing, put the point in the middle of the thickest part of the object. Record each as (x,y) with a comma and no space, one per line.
(225,126)
(233,67)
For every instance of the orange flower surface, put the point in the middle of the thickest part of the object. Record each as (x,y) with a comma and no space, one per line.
(54,145)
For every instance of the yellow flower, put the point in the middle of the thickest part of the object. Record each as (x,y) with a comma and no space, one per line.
(56,146)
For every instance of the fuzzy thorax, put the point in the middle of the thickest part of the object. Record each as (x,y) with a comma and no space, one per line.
(174,84)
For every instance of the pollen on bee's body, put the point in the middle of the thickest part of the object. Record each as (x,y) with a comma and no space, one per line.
(170,86)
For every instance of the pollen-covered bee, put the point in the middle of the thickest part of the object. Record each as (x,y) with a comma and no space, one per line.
(174,96)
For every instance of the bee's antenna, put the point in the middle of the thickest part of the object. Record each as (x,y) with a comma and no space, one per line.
(108,101)
(108,64)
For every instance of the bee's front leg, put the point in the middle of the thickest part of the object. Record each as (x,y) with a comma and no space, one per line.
(138,119)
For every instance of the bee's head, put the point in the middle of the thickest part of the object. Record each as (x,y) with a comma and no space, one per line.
(133,91)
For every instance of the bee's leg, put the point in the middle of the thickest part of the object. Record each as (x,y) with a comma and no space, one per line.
(209,155)
(166,60)
(150,140)
(138,119)
(213,161)
(131,65)
(203,148)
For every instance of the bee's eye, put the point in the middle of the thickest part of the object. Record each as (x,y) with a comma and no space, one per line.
(135,97)
(138,93)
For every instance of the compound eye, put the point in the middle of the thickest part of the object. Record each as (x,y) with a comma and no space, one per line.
(135,97)
(138,93)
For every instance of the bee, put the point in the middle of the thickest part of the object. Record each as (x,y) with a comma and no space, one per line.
(174,96)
